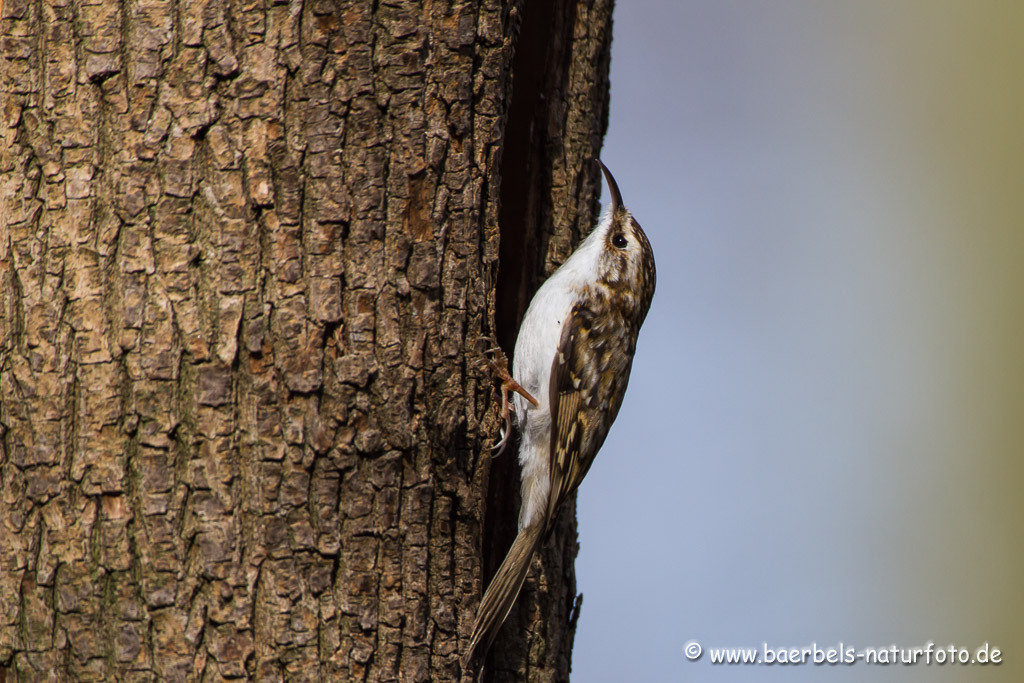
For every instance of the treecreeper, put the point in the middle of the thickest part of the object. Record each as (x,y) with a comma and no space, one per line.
(572,360)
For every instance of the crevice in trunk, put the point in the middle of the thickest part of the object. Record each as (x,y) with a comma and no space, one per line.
(533,137)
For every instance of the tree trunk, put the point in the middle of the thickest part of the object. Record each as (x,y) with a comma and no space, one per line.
(248,250)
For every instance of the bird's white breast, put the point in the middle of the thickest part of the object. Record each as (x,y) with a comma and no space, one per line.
(541,330)
(536,346)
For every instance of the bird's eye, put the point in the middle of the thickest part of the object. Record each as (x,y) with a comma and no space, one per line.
(619,240)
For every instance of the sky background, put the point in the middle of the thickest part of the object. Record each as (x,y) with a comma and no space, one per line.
(823,435)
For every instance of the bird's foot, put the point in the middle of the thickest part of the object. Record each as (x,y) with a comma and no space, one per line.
(498,363)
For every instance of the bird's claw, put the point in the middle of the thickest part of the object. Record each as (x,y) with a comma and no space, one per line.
(500,446)
(499,366)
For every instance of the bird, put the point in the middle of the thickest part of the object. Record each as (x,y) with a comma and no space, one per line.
(571,365)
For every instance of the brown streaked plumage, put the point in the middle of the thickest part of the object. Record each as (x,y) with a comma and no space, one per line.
(573,354)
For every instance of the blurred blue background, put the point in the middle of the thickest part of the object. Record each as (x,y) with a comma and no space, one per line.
(823,435)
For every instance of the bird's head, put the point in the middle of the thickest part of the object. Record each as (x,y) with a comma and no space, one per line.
(626,260)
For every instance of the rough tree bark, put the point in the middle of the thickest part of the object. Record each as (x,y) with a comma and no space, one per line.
(247,252)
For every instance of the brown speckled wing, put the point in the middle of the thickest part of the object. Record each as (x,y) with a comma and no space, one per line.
(588,380)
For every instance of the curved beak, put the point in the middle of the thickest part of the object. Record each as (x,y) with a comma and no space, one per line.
(613,188)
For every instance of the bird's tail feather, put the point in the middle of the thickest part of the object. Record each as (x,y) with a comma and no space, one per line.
(504,589)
